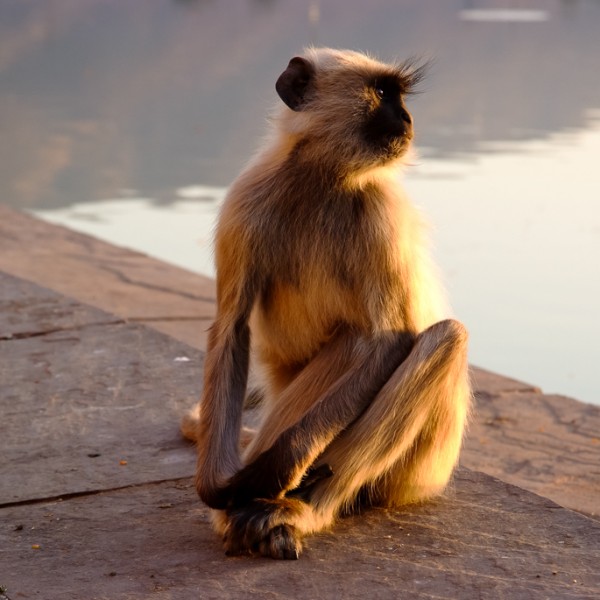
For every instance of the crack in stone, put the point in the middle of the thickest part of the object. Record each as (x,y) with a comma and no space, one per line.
(23,335)
(93,492)
(152,286)
(169,319)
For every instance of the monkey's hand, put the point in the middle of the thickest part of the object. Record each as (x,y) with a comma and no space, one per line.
(269,479)
(263,478)
(313,476)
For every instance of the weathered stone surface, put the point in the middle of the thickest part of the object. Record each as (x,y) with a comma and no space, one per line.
(24,313)
(120,281)
(547,444)
(81,391)
(491,383)
(486,539)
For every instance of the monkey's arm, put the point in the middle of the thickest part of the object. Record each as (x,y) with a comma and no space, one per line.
(225,379)
(220,416)
(281,467)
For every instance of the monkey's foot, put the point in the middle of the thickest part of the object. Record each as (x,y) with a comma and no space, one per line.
(263,528)
(189,423)
(281,543)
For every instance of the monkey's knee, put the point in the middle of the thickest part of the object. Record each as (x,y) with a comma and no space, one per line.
(450,332)
(445,345)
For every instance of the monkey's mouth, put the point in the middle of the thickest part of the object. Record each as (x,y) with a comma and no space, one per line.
(393,146)
(401,143)
(388,141)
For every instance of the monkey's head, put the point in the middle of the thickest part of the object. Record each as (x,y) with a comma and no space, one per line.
(347,110)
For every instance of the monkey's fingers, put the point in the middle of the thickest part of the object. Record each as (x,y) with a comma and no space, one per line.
(281,543)
(311,478)
(266,477)
(315,474)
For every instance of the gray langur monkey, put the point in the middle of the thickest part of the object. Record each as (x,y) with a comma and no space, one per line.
(324,277)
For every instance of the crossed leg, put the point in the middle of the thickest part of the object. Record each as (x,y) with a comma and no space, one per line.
(401,449)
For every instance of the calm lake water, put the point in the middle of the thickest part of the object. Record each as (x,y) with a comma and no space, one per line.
(128,119)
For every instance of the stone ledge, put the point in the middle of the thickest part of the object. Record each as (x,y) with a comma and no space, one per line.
(117,280)
(83,391)
(540,442)
(486,539)
(72,414)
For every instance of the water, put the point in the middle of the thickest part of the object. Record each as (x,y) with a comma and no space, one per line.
(127,120)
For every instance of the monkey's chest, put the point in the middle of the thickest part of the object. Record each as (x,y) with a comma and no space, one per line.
(292,321)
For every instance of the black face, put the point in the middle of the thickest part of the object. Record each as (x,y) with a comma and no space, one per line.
(388,125)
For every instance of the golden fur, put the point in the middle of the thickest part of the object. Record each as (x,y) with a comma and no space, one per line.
(324,277)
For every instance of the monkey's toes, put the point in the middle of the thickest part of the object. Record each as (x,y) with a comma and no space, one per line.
(281,543)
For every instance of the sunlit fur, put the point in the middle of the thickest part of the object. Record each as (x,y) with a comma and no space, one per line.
(324,277)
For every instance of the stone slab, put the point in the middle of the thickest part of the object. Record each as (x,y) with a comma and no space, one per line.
(546,443)
(484,381)
(485,540)
(117,280)
(139,288)
(81,391)
(28,310)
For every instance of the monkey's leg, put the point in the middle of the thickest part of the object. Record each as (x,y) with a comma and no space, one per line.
(303,391)
(331,392)
(323,391)
(425,400)
(405,446)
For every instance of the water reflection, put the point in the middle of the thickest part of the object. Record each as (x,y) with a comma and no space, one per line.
(179,231)
(100,96)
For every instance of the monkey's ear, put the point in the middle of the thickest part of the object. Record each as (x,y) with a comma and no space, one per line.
(294,83)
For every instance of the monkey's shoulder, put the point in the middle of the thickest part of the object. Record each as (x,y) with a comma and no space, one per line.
(290,225)
(296,201)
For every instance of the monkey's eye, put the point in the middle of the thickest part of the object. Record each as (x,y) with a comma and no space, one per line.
(386,90)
